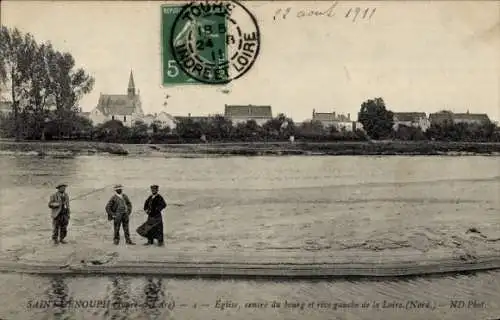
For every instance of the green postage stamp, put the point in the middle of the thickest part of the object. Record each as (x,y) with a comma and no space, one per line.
(172,73)
(212,42)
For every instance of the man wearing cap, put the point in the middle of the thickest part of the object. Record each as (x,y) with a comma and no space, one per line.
(153,206)
(59,205)
(118,209)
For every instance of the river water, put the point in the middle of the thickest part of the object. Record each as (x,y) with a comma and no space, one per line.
(297,204)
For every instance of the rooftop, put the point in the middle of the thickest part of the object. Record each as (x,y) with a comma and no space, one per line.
(249,111)
(471,116)
(330,116)
(118,104)
(409,116)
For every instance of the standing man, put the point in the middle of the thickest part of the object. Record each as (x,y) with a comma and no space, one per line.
(118,209)
(153,206)
(59,205)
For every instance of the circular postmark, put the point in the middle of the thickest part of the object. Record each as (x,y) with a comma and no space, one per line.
(215,42)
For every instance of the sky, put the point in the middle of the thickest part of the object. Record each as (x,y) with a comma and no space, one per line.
(417,55)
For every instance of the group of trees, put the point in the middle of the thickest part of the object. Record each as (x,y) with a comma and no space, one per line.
(280,128)
(43,85)
(217,129)
(378,122)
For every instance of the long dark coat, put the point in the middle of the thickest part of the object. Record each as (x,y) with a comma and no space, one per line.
(153,227)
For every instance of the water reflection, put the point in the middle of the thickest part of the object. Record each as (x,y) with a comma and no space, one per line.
(121,302)
(154,297)
(124,298)
(58,294)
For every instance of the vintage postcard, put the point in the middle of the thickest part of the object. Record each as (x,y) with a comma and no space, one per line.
(250,160)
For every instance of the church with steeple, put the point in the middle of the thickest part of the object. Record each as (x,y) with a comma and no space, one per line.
(126,108)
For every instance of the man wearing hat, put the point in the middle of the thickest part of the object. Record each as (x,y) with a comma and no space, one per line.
(118,209)
(154,225)
(59,205)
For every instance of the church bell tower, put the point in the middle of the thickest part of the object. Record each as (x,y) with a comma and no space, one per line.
(131,85)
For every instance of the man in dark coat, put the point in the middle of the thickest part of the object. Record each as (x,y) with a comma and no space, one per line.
(59,205)
(153,206)
(118,209)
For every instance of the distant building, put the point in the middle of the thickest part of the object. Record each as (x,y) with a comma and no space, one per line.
(243,113)
(126,108)
(193,118)
(443,117)
(411,119)
(471,118)
(338,121)
(163,119)
(148,119)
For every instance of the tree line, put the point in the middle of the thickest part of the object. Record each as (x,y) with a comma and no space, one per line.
(378,122)
(42,83)
(214,129)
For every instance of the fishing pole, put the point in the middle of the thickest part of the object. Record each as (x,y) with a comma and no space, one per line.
(89,193)
(105,187)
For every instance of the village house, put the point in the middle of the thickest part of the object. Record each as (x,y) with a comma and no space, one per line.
(243,113)
(163,119)
(442,117)
(411,119)
(126,108)
(471,118)
(193,118)
(338,121)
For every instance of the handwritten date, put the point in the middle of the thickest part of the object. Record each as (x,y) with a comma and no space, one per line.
(354,13)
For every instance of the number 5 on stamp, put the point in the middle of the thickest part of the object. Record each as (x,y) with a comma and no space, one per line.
(172,74)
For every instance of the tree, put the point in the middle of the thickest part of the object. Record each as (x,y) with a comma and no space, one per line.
(406,133)
(139,132)
(66,85)
(248,130)
(220,128)
(112,131)
(188,129)
(39,94)
(313,127)
(449,131)
(16,58)
(376,119)
(279,127)
(39,77)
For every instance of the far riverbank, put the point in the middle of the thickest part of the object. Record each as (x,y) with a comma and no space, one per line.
(65,149)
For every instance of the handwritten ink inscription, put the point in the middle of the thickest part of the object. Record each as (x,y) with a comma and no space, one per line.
(350,13)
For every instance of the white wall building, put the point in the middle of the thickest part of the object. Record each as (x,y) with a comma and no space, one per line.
(339,121)
(411,119)
(243,113)
(126,108)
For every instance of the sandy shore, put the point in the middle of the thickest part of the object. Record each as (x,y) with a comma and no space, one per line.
(65,149)
(330,237)
(474,251)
